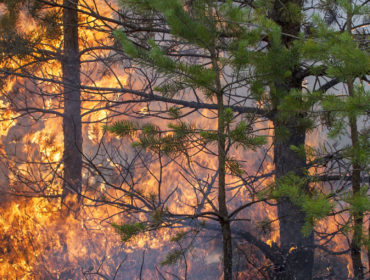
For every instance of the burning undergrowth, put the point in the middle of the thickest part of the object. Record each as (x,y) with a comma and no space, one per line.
(38,241)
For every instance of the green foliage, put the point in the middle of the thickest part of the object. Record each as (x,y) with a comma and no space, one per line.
(293,12)
(315,206)
(336,127)
(281,133)
(208,136)
(126,44)
(296,103)
(150,136)
(241,136)
(122,128)
(170,89)
(234,15)
(174,112)
(264,6)
(228,116)
(171,144)
(290,186)
(360,153)
(348,106)
(159,60)
(156,58)
(273,71)
(359,202)
(272,77)
(294,106)
(197,75)
(301,150)
(234,167)
(26,45)
(181,129)
(150,129)
(179,236)
(173,257)
(129,230)
(192,28)
(341,109)
(338,51)
(257,89)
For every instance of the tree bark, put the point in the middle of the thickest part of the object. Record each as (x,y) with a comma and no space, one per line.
(224,221)
(72,128)
(297,250)
(358,217)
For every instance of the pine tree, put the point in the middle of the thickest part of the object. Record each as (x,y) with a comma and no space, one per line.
(72,124)
(31,51)
(200,29)
(348,63)
(276,80)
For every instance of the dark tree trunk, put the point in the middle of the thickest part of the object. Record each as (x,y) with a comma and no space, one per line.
(358,217)
(227,250)
(72,155)
(224,221)
(297,250)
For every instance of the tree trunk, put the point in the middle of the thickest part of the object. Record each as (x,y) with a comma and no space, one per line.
(225,223)
(72,155)
(297,250)
(358,217)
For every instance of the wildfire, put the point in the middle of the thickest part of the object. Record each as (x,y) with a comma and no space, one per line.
(8,119)
(39,239)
